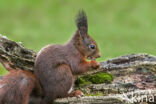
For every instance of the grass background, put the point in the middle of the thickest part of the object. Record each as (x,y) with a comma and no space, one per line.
(119,26)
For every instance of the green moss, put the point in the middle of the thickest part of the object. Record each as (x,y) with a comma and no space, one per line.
(97,78)
(2,70)
(101,78)
(95,94)
(85,84)
(80,82)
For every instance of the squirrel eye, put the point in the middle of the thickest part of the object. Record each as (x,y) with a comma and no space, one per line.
(92,46)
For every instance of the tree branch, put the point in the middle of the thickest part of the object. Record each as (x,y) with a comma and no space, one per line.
(14,56)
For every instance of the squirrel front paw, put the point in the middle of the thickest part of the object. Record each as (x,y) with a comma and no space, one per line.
(95,64)
(78,93)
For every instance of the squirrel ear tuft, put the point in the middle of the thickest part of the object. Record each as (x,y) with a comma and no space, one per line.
(81,22)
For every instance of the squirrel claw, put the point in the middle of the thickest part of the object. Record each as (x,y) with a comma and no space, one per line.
(79,93)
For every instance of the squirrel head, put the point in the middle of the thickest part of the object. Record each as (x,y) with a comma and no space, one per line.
(83,41)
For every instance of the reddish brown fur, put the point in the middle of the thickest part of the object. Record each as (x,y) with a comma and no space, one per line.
(56,65)
(16,87)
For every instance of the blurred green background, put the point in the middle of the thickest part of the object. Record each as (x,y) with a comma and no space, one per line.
(119,26)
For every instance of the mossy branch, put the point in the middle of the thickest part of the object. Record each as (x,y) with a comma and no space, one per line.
(15,56)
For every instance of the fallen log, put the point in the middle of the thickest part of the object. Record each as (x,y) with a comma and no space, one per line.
(13,55)
(126,98)
(126,69)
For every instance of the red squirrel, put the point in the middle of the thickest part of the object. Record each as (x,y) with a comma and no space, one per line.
(56,65)
(16,87)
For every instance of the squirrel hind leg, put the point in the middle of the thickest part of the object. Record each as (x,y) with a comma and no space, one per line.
(59,83)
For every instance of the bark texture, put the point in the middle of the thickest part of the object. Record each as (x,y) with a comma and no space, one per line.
(14,56)
(134,73)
